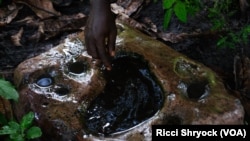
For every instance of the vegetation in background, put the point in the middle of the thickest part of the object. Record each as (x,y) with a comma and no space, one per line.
(181,8)
(220,15)
(235,38)
(13,130)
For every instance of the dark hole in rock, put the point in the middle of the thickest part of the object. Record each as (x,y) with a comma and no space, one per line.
(77,67)
(196,90)
(62,90)
(45,104)
(131,96)
(44,81)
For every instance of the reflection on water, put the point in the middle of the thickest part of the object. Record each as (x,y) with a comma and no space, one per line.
(131,96)
(44,81)
(45,85)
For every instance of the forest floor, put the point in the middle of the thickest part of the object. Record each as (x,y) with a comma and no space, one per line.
(201,47)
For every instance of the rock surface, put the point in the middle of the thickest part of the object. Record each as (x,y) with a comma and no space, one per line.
(193,94)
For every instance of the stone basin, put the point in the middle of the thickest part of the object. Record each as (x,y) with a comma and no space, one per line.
(62,85)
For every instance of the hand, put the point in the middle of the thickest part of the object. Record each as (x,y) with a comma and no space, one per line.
(100,32)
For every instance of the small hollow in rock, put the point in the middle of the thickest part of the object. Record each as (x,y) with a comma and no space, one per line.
(77,67)
(197,90)
(62,90)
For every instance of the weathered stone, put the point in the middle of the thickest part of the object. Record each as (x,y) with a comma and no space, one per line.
(193,94)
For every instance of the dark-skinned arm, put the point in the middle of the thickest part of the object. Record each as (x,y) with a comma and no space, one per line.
(101,31)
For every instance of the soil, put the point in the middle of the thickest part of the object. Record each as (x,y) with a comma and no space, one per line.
(200,48)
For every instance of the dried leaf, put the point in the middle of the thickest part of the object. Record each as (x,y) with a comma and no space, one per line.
(127,7)
(27,20)
(133,7)
(51,27)
(43,8)
(151,25)
(7,14)
(17,38)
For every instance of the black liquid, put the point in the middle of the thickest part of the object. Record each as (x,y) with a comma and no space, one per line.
(62,90)
(77,67)
(130,97)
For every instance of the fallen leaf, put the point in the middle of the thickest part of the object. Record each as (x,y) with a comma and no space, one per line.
(7,14)
(129,6)
(51,27)
(43,8)
(17,38)
(150,24)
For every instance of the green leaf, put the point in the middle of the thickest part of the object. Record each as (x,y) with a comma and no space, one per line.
(168,3)
(167,18)
(247,29)
(14,125)
(33,132)
(7,90)
(27,120)
(180,11)
(221,42)
(17,137)
(245,35)
(234,37)
(7,130)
